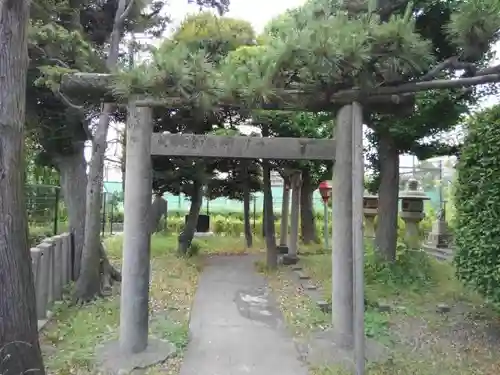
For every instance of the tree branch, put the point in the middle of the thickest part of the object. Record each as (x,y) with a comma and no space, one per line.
(98,85)
(450,63)
(126,12)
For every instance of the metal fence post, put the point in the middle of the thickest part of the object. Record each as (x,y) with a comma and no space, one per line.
(56,212)
(111,218)
(103,212)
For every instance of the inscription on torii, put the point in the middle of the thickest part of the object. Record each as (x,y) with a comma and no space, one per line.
(242,147)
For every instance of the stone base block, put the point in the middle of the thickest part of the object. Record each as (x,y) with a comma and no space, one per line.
(203,234)
(111,360)
(43,322)
(289,260)
(282,249)
(331,349)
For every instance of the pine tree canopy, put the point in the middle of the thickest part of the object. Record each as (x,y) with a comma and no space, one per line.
(319,48)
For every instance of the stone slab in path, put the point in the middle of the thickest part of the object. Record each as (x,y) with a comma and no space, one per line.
(236,327)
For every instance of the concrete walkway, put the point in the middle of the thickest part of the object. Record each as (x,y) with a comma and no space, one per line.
(235,326)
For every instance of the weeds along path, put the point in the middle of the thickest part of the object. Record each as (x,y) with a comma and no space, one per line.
(421,339)
(70,338)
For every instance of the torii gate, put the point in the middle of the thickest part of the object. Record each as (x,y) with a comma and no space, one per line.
(347,198)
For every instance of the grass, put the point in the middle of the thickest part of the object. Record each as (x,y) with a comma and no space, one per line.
(70,338)
(422,341)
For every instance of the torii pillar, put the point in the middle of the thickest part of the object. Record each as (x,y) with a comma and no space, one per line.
(136,232)
(133,348)
(347,236)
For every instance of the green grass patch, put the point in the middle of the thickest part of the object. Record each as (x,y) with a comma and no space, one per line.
(70,339)
(423,342)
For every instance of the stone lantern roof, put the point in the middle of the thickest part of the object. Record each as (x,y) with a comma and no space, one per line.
(413,191)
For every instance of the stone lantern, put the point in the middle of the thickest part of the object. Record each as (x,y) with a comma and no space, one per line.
(370,210)
(412,211)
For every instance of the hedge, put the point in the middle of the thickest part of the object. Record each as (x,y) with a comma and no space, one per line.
(477,201)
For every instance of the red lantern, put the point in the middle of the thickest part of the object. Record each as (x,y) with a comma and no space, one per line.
(325,190)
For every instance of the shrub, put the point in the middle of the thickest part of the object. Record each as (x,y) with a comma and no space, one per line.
(412,269)
(477,201)
(38,234)
(195,248)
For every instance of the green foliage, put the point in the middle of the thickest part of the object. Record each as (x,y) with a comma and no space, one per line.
(194,249)
(412,269)
(185,66)
(477,200)
(177,72)
(217,36)
(324,49)
(474,27)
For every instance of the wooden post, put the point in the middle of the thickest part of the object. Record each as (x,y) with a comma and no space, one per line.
(134,307)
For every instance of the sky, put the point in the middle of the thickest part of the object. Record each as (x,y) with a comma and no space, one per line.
(258,13)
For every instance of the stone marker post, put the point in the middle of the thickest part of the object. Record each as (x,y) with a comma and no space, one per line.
(58,282)
(438,241)
(65,258)
(342,263)
(36,260)
(49,251)
(294,219)
(137,234)
(43,282)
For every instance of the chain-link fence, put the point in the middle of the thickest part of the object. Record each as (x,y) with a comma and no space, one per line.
(47,215)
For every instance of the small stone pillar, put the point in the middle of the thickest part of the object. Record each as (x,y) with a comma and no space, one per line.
(412,211)
(438,242)
(43,281)
(370,210)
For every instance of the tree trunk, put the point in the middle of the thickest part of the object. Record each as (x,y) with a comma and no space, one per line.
(73,172)
(187,234)
(88,285)
(307,218)
(387,225)
(158,210)
(272,255)
(20,350)
(246,210)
